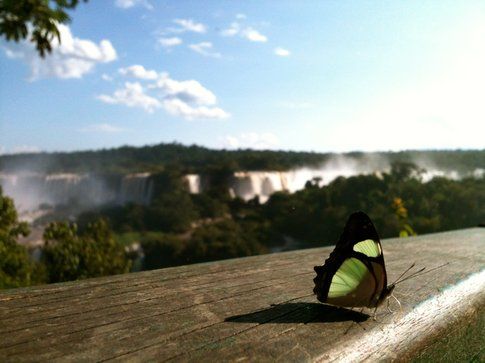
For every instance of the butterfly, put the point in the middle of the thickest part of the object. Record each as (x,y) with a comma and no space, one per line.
(355,274)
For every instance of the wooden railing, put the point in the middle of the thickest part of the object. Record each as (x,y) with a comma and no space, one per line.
(249,309)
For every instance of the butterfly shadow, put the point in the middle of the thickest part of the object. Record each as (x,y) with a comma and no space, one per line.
(301,312)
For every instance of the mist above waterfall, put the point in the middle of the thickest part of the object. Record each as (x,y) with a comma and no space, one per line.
(78,192)
(31,191)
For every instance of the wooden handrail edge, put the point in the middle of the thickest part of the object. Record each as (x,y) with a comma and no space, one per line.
(404,336)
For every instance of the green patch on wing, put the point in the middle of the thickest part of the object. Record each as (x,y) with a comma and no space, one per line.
(368,247)
(347,278)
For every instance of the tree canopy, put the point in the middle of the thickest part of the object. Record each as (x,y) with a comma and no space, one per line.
(70,255)
(16,268)
(37,19)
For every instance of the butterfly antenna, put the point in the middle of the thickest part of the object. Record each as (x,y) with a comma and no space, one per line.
(420,272)
(414,274)
(409,268)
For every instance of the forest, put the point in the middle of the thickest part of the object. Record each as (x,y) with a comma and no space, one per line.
(198,159)
(179,228)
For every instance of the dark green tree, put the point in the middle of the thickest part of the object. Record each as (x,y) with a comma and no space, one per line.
(70,255)
(172,209)
(16,268)
(208,207)
(210,242)
(40,18)
(216,241)
(162,252)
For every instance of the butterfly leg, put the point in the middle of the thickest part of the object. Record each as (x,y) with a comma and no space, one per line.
(389,306)
(375,314)
(398,302)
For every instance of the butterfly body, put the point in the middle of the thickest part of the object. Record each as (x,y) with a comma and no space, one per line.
(355,274)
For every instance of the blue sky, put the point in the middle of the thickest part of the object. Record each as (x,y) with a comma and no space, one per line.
(292,75)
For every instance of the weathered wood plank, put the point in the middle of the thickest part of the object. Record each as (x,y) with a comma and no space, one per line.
(162,290)
(139,281)
(154,307)
(243,309)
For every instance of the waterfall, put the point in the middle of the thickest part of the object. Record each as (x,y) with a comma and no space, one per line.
(478,173)
(59,188)
(136,188)
(82,190)
(249,184)
(32,192)
(194,183)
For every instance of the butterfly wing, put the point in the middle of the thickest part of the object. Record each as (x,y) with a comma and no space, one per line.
(355,273)
(352,284)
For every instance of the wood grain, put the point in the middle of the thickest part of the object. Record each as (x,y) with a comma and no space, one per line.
(256,308)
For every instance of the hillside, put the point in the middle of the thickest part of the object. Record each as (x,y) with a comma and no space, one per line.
(197,159)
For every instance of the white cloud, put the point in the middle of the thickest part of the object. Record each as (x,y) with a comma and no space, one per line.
(253,35)
(20,149)
(282,52)
(72,58)
(132,95)
(248,33)
(25,149)
(103,127)
(187,99)
(205,48)
(169,42)
(12,54)
(233,30)
(126,4)
(190,91)
(188,25)
(240,16)
(251,140)
(138,71)
(178,107)
(106,77)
